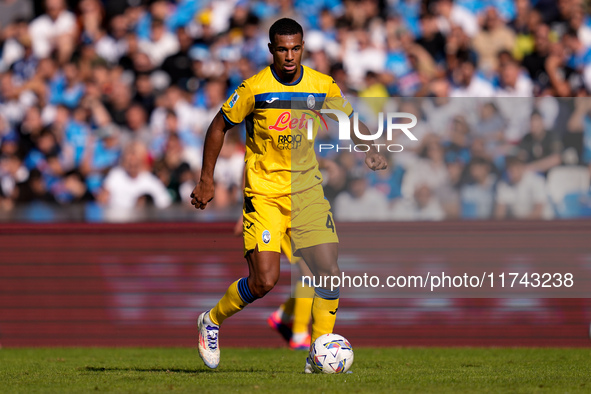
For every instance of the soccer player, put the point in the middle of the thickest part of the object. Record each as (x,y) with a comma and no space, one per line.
(283,192)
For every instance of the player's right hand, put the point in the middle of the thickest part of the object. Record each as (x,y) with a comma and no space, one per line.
(202,194)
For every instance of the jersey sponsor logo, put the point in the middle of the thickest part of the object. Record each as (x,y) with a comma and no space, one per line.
(286,121)
(266,236)
(289,141)
(235,98)
(272,99)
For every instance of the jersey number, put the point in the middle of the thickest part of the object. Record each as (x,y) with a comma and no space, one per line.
(329,223)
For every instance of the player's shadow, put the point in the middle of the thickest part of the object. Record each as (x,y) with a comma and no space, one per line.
(167,370)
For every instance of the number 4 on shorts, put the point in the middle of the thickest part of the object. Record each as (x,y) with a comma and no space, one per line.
(329,223)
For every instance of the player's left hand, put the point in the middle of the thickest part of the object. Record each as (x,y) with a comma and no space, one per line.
(375,161)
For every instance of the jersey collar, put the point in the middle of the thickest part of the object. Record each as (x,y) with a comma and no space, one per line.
(284,83)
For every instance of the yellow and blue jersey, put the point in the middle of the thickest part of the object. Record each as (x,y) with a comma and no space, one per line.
(280,159)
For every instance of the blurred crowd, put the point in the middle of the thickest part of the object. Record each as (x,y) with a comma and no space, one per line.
(107,102)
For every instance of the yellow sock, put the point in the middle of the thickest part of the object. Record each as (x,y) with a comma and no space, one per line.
(230,303)
(304,296)
(287,309)
(324,312)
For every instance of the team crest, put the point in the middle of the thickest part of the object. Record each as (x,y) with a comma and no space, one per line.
(266,236)
(235,98)
(311,102)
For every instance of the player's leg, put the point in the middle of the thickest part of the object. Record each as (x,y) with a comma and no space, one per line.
(263,275)
(322,260)
(262,232)
(292,319)
(281,319)
(315,240)
(303,296)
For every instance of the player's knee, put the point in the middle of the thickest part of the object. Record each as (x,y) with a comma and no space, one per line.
(329,271)
(263,285)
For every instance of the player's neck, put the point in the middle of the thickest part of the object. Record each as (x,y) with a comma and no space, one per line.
(286,79)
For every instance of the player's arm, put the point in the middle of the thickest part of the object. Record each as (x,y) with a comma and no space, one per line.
(234,110)
(214,139)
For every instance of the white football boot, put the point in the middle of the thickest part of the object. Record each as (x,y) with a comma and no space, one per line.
(209,349)
(308,368)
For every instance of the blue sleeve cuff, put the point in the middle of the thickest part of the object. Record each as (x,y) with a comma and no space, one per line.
(351,114)
(228,121)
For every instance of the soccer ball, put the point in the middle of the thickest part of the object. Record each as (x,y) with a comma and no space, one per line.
(331,353)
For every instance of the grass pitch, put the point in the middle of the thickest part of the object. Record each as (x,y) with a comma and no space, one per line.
(420,370)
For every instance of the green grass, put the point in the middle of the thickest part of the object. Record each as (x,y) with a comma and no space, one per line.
(419,370)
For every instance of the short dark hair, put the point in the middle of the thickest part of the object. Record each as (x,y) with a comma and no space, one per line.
(285,27)
(513,160)
(479,161)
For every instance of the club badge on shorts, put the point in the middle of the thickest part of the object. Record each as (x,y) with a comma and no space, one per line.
(266,236)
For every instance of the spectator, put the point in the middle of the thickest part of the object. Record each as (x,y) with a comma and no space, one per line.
(178,65)
(12,173)
(539,148)
(160,44)
(15,101)
(490,129)
(421,206)
(494,37)
(431,38)
(125,184)
(524,25)
(229,171)
(172,169)
(513,82)
(451,13)
(136,126)
(118,102)
(191,144)
(389,181)
(522,195)
(361,56)
(12,10)
(145,94)
(535,62)
(54,31)
(457,140)
(578,23)
(478,194)
(431,170)
(467,83)
(360,202)
(514,101)
(564,80)
(25,68)
(34,189)
(101,156)
(335,179)
(68,89)
(579,57)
